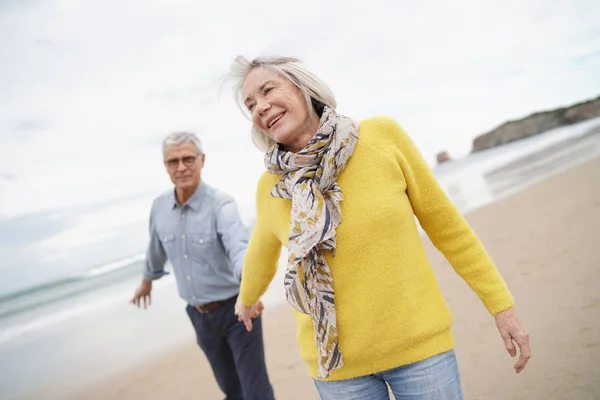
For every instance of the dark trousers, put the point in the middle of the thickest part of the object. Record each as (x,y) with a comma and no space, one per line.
(235,355)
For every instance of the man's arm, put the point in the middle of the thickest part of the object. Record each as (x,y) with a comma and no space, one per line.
(154,266)
(156,257)
(233,234)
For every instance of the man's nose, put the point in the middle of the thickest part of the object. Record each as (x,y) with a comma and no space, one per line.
(181,166)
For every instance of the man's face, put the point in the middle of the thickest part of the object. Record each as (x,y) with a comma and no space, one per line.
(184,165)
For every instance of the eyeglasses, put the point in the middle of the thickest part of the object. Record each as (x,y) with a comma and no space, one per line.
(173,163)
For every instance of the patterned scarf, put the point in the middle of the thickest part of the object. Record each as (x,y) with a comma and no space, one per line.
(309,180)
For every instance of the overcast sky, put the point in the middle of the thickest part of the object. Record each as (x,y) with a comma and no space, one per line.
(89,88)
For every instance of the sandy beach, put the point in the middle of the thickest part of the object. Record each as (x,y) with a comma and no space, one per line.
(545,243)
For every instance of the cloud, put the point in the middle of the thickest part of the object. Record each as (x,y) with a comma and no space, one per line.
(28,125)
(446,71)
(25,229)
(200,93)
(21,235)
(97,226)
(46,43)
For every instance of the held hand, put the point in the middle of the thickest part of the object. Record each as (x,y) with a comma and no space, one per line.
(246,313)
(142,294)
(511,329)
(257,309)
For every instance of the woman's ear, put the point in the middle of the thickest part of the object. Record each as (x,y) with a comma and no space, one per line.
(317,106)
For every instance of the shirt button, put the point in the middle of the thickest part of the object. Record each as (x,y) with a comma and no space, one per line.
(194,297)
(188,278)
(201,241)
(183,236)
(185,256)
(182,215)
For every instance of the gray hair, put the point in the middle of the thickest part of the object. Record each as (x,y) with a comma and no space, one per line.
(178,138)
(289,68)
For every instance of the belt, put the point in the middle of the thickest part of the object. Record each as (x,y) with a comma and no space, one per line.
(208,307)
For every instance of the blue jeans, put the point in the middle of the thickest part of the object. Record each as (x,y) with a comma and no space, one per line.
(436,378)
(235,355)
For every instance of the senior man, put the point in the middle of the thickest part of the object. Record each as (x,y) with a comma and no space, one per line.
(199,230)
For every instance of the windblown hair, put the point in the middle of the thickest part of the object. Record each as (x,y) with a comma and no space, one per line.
(316,93)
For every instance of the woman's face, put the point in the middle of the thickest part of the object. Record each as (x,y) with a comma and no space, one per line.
(279,109)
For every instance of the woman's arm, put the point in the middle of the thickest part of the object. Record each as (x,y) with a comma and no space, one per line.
(453,237)
(260,261)
(448,230)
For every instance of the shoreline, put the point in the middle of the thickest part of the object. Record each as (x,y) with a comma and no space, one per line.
(536,237)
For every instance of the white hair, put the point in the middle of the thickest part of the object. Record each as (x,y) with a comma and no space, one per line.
(292,69)
(178,138)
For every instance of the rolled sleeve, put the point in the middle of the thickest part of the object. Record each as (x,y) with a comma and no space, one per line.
(233,234)
(156,257)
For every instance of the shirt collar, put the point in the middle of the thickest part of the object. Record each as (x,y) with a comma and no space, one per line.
(194,201)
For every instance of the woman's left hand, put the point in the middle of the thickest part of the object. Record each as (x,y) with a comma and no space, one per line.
(246,313)
(511,329)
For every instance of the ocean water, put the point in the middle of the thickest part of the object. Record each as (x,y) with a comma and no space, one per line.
(78,327)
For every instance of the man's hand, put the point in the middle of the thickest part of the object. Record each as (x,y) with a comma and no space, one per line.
(246,313)
(510,329)
(142,294)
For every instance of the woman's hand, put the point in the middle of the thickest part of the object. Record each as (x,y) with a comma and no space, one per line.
(246,313)
(511,329)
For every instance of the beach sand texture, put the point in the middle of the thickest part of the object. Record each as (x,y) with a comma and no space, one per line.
(546,243)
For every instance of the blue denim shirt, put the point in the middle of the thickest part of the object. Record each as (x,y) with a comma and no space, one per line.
(205,241)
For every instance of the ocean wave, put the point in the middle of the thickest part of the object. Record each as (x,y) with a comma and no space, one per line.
(116,265)
(71,286)
(64,314)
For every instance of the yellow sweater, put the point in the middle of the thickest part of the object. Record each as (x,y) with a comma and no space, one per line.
(390,310)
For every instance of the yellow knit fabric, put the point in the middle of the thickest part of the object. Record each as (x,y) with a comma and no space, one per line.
(390,310)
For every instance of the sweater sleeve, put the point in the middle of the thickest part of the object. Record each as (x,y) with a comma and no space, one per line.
(448,230)
(260,262)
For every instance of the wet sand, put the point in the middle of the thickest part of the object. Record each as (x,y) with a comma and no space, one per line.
(546,243)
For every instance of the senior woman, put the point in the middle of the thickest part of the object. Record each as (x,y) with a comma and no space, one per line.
(341,195)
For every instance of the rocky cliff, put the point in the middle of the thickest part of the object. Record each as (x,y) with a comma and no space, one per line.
(443,157)
(537,123)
